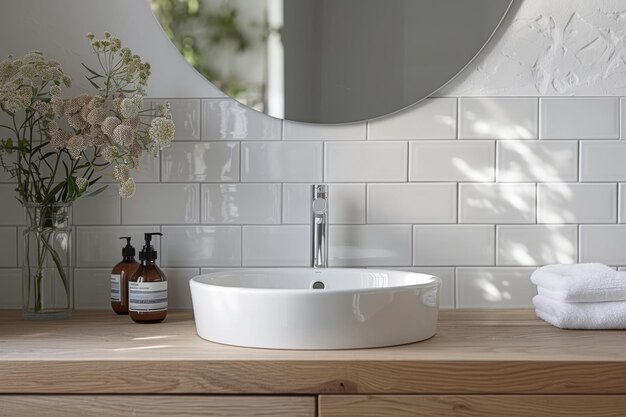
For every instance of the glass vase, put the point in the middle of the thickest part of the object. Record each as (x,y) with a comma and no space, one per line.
(47,274)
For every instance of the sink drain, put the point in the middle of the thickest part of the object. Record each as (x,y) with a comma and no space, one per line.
(318,285)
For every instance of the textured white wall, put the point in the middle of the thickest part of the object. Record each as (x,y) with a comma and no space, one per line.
(557,47)
(476,189)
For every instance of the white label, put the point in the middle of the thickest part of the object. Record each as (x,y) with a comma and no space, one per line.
(147,296)
(116,287)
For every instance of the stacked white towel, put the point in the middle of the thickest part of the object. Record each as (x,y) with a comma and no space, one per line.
(582,296)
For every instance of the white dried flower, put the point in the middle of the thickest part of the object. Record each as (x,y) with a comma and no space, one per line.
(130,107)
(109,124)
(117,103)
(76,145)
(127,188)
(41,107)
(135,150)
(133,122)
(97,116)
(51,126)
(121,173)
(51,73)
(96,101)
(59,139)
(77,122)
(55,90)
(82,183)
(162,131)
(123,135)
(76,104)
(84,111)
(33,57)
(58,105)
(163,110)
(97,136)
(15,98)
(9,67)
(28,71)
(109,153)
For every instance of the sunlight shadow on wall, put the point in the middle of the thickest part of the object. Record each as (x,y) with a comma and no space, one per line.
(499,124)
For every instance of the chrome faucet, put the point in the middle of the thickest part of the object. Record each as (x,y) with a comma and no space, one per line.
(319,226)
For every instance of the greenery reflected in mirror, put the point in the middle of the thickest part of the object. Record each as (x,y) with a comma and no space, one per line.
(217,37)
(329,61)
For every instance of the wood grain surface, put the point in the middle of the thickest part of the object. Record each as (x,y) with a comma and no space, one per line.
(472,405)
(155,406)
(498,351)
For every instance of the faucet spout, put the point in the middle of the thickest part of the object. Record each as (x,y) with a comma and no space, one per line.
(319,226)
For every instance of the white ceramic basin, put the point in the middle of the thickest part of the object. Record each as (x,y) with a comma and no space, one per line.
(280,309)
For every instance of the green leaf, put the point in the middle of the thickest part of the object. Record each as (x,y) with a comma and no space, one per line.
(48,155)
(98,191)
(8,145)
(94,181)
(91,71)
(93,83)
(50,197)
(38,147)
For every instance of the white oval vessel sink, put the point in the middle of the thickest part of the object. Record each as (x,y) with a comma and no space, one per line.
(330,308)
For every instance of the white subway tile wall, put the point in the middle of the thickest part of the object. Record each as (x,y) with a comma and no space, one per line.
(369,245)
(433,118)
(580,118)
(281,161)
(498,118)
(478,191)
(452,161)
(284,245)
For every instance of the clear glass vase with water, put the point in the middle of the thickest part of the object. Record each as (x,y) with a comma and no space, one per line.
(47,274)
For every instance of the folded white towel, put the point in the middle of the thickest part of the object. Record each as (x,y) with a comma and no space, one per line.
(608,315)
(580,283)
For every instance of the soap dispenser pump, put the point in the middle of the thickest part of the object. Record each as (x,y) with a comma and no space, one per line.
(147,288)
(120,276)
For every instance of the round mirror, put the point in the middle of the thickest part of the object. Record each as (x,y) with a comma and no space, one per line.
(329,61)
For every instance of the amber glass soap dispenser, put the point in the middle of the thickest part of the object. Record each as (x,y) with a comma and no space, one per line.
(147,288)
(120,276)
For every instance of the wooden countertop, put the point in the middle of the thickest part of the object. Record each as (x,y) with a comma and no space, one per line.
(497,351)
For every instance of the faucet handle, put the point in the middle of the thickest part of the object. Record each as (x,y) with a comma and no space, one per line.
(319,203)
(320,190)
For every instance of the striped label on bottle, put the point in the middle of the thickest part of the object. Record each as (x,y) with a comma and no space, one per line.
(147,296)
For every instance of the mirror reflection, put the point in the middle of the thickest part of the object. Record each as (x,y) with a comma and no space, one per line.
(329,61)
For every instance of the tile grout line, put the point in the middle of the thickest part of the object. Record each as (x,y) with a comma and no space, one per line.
(458,118)
(456,292)
(539,118)
(618,215)
(17,245)
(200,215)
(578,243)
(408,161)
(619,118)
(536,203)
(496,242)
(579,160)
(241,244)
(240,179)
(365,210)
(200,120)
